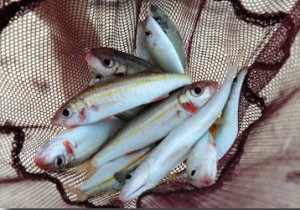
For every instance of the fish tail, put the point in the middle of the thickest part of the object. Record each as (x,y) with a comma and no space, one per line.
(87,167)
(232,69)
(90,171)
(80,196)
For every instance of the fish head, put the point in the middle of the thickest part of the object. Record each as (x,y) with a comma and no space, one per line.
(202,171)
(69,115)
(152,32)
(105,62)
(136,183)
(55,155)
(197,94)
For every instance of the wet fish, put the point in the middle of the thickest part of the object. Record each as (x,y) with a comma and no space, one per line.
(110,176)
(227,132)
(141,49)
(178,143)
(106,99)
(161,48)
(170,29)
(156,122)
(201,164)
(73,146)
(107,62)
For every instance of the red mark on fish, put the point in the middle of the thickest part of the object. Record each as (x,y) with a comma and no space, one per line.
(133,152)
(190,107)
(160,98)
(213,144)
(68,147)
(177,113)
(82,115)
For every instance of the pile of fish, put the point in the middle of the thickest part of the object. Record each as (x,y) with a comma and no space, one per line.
(142,116)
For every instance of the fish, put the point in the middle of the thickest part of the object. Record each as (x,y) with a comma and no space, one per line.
(155,123)
(107,62)
(176,146)
(161,48)
(227,132)
(71,147)
(110,176)
(201,164)
(141,49)
(106,99)
(170,29)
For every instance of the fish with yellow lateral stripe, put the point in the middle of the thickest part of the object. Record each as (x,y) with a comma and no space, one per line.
(176,146)
(106,99)
(73,146)
(155,122)
(110,176)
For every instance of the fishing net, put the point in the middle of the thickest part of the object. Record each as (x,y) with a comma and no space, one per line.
(41,66)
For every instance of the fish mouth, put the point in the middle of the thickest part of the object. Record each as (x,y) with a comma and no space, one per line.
(40,163)
(89,58)
(125,198)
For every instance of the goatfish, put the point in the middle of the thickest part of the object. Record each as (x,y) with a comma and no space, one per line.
(105,99)
(107,62)
(72,147)
(201,165)
(161,48)
(155,123)
(176,146)
(110,176)
(170,29)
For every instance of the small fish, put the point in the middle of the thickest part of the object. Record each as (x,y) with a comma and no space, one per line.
(227,132)
(156,122)
(107,62)
(170,29)
(141,49)
(201,164)
(105,99)
(72,147)
(105,178)
(161,48)
(176,146)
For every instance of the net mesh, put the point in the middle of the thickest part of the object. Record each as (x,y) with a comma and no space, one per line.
(42,44)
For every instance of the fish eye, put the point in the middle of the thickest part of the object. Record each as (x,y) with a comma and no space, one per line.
(196,91)
(193,172)
(128,176)
(156,18)
(147,33)
(107,62)
(66,112)
(59,161)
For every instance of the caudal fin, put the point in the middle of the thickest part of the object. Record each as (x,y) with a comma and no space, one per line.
(232,69)
(80,196)
(87,167)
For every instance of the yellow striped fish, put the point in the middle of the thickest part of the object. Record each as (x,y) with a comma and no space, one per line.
(155,122)
(109,98)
